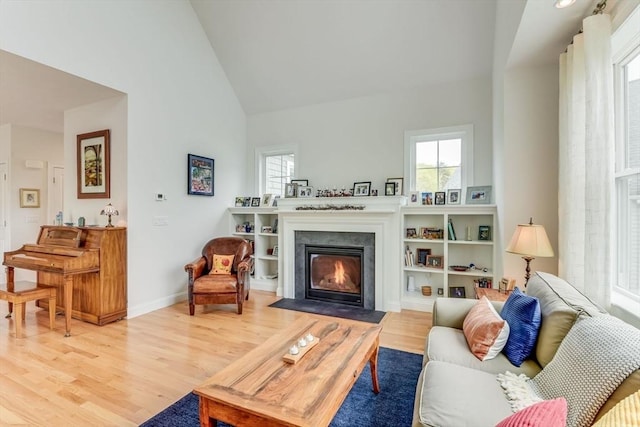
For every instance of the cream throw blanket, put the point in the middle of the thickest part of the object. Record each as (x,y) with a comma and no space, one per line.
(594,358)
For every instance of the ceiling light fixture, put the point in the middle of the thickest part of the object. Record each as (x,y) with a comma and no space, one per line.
(561,4)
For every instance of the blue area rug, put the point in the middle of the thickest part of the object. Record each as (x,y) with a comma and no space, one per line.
(398,373)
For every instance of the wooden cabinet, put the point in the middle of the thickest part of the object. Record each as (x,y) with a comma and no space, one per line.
(98,297)
(470,243)
(259,225)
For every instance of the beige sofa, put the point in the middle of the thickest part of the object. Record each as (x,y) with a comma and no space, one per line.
(454,388)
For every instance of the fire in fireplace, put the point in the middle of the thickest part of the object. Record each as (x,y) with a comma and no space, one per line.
(334,274)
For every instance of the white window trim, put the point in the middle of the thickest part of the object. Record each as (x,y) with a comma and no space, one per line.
(411,137)
(270,150)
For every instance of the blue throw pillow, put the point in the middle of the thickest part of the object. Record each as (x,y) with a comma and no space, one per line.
(522,313)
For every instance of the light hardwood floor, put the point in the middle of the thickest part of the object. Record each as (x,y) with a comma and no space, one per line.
(123,373)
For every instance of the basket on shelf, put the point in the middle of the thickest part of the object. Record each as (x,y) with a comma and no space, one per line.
(426,291)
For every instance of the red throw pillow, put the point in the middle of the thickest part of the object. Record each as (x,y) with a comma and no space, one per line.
(548,413)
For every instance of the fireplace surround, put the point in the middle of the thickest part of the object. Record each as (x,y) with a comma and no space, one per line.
(322,256)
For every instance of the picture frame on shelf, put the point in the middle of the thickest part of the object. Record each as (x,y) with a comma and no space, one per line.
(427,198)
(255,202)
(457,292)
(453,196)
(414,198)
(478,195)
(239,201)
(300,182)
(267,199)
(411,233)
(484,232)
(275,250)
(390,188)
(361,188)
(440,198)
(290,190)
(305,191)
(440,291)
(399,185)
(435,261)
(93,165)
(266,229)
(246,202)
(29,198)
(423,254)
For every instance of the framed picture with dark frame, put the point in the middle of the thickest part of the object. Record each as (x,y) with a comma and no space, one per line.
(200,172)
(361,188)
(398,182)
(255,202)
(484,232)
(93,165)
(300,182)
(440,197)
(457,292)
(390,188)
(423,254)
(435,261)
(305,191)
(411,233)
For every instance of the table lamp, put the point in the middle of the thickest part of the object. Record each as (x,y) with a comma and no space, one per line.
(109,210)
(530,241)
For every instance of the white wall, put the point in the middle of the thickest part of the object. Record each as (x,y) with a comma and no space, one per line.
(44,148)
(362,139)
(178,101)
(530,160)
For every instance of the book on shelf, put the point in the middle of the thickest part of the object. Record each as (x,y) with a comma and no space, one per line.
(452,232)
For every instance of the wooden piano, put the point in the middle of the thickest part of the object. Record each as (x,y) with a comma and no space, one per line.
(89,263)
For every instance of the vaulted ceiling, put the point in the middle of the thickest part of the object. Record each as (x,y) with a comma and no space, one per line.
(281,54)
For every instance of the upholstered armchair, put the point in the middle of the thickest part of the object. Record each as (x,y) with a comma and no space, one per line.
(221,274)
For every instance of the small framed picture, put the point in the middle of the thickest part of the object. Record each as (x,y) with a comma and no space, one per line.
(484,232)
(423,254)
(290,190)
(267,199)
(457,292)
(266,229)
(440,197)
(411,233)
(275,250)
(414,198)
(398,182)
(453,197)
(440,291)
(479,195)
(200,175)
(305,191)
(246,202)
(239,201)
(300,182)
(361,188)
(29,198)
(255,202)
(427,198)
(435,261)
(390,188)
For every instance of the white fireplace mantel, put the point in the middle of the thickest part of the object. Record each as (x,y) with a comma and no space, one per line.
(379,215)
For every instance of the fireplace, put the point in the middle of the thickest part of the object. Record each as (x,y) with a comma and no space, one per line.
(335,267)
(334,274)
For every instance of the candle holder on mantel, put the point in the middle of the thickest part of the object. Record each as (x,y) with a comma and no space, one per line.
(109,211)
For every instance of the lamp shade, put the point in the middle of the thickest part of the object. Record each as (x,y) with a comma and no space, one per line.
(530,240)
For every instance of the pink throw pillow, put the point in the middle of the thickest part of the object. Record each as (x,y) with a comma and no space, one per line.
(548,413)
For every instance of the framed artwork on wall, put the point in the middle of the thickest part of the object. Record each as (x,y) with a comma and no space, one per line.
(93,164)
(29,198)
(200,175)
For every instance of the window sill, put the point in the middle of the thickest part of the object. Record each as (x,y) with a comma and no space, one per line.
(625,308)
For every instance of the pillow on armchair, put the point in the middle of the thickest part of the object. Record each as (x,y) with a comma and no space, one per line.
(222,264)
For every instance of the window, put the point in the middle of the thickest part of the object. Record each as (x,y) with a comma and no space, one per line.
(276,168)
(627,177)
(438,159)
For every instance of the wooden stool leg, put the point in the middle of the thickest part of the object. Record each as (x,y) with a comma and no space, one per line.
(52,312)
(19,318)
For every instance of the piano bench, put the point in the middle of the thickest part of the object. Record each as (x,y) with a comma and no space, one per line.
(24,292)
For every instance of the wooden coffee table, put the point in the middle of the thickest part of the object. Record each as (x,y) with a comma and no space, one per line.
(261,389)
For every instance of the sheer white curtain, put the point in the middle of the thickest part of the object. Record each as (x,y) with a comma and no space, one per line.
(586,158)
